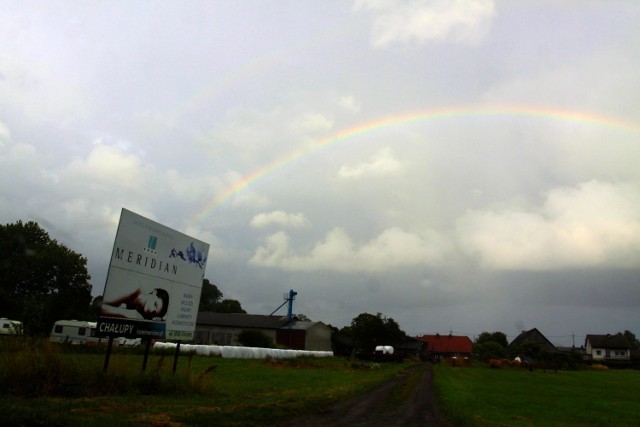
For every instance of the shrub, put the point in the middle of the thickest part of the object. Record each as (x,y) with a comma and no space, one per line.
(252,338)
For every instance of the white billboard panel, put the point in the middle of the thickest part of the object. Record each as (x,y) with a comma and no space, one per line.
(154,281)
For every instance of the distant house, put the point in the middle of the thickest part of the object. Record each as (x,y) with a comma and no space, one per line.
(224,328)
(607,347)
(533,336)
(438,347)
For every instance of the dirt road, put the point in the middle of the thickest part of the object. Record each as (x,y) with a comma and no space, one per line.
(401,401)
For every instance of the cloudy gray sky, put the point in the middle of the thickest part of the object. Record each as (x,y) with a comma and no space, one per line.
(460,166)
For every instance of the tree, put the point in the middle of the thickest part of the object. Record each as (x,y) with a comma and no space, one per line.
(211,300)
(631,338)
(489,350)
(209,297)
(368,331)
(41,280)
(229,306)
(497,337)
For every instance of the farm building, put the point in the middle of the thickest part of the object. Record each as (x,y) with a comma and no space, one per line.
(533,336)
(438,347)
(224,328)
(607,347)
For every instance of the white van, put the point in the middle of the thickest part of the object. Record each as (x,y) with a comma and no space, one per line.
(10,327)
(75,332)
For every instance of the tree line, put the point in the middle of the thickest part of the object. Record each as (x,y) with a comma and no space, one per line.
(42,281)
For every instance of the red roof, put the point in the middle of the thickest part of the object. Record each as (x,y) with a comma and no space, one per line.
(447,343)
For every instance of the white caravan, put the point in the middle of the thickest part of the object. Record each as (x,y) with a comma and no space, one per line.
(74,332)
(81,332)
(10,327)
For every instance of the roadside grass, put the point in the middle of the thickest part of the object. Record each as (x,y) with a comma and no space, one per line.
(480,396)
(45,384)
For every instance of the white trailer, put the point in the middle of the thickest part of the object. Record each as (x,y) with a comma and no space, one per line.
(75,332)
(81,332)
(10,327)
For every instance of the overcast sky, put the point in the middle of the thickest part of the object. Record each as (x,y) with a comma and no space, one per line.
(460,166)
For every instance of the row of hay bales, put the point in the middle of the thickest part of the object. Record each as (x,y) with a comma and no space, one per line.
(236,352)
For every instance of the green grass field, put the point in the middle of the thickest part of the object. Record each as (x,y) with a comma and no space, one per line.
(237,392)
(44,384)
(480,396)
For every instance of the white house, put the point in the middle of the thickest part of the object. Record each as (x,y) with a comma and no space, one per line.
(607,347)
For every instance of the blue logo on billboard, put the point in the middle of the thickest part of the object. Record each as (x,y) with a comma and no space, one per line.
(192,255)
(151,246)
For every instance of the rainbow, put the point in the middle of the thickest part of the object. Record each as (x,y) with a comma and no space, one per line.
(586,118)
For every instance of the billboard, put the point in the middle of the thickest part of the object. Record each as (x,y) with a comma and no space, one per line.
(154,282)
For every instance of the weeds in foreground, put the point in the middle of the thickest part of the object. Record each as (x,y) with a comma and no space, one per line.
(42,369)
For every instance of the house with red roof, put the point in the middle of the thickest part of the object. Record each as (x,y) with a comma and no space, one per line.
(438,347)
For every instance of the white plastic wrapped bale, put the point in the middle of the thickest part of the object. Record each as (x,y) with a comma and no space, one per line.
(385,349)
(203,350)
(235,352)
(163,345)
(229,352)
(216,350)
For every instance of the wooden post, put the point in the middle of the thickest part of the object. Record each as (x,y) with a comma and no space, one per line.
(146,354)
(175,357)
(108,355)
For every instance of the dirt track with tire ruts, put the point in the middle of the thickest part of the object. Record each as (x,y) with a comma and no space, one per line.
(377,407)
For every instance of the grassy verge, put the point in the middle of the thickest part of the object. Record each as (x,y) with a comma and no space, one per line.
(44,385)
(480,396)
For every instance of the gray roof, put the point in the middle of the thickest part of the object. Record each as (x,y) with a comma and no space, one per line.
(239,320)
(536,337)
(617,341)
(302,325)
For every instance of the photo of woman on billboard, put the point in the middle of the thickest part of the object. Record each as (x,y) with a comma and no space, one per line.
(136,305)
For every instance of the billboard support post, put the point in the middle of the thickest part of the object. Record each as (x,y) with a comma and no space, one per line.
(108,355)
(175,357)
(146,354)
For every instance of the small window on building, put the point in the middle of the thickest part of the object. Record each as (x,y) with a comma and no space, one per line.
(58,329)
(599,352)
(5,325)
(82,331)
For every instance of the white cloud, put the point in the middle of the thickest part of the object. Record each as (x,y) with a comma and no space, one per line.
(279,218)
(459,21)
(394,248)
(350,104)
(4,134)
(258,137)
(107,165)
(382,164)
(311,123)
(593,225)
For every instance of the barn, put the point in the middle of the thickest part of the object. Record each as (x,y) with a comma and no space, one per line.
(224,328)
